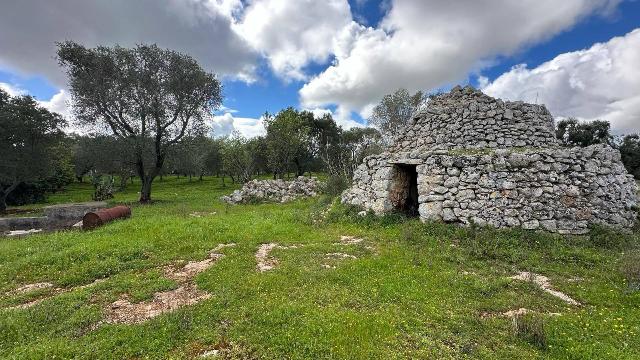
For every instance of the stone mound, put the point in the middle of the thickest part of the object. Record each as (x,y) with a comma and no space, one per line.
(275,190)
(467,158)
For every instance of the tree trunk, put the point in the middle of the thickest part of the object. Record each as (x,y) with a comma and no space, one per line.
(3,196)
(123,182)
(145,191)
(3,203)
(200,177)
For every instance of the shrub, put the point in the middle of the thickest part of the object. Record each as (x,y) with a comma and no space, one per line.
(530,328)
(103,188)
(608,238)
(630,268)
(28,193)
(335,185)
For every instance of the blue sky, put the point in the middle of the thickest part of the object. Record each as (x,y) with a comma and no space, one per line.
(342,56)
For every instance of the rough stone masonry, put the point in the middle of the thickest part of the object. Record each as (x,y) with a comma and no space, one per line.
(467,157)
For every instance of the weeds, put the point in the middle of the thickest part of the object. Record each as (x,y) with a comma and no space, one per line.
(335,185)
(630,269)
(530,328)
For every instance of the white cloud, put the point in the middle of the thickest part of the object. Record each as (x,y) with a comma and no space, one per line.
(225,124)
(602,82)
(291,34)
(425,44)
(201,28)
(59,103)
(12,90)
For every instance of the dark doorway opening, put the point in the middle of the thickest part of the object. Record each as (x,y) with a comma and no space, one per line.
(404,192)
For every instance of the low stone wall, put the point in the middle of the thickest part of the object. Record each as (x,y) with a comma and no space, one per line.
(23,223)
(69,214)
(275,190)
(56,216)
(561,190)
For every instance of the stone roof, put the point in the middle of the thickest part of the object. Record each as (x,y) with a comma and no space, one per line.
(466,118)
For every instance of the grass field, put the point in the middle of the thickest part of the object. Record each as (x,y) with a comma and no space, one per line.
(413,291)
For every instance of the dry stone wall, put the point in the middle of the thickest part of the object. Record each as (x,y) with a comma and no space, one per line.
(559,190)
(466,118)
(275,190)
(482,160)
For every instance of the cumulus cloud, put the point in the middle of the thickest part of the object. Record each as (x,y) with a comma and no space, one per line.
(291,34)
(602,82)
(226,124)
(425,44)
(12,90)
(201,28)
(59,103)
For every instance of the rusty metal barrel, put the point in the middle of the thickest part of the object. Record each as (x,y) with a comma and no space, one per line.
(98,218)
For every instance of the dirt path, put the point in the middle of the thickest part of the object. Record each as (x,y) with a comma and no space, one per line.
(123,311)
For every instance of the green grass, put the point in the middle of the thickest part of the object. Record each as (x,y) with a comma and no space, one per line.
(419,293)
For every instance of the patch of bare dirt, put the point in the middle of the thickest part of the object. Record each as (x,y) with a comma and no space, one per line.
(543,283)
(340,256)
(123,311)
(514,313)
(54,292)
(349,240)
(265,261)
(199,214)
(29,288)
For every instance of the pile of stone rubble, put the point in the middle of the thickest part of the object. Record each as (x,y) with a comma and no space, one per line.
(275,190)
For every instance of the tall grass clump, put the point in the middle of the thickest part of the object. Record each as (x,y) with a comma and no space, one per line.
(630,269)
(530,328)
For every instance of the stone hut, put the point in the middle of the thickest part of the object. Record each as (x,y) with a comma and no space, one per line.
(467,157)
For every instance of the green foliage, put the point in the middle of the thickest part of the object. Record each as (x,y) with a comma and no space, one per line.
(346,213)
(335,185)
(149,96)
(342,151)
(30,151)
(28,193)
(530,327)
(394,111)
(237,156)
(103,187)
(630,153)
(572,132)
(288,141)
(105,155)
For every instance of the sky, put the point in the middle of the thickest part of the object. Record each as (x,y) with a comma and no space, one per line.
(581,58)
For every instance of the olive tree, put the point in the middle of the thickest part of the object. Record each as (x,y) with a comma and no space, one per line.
(394,111)
(29,136)
(237,158)
(288,141)
(572,132)
(151,96)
